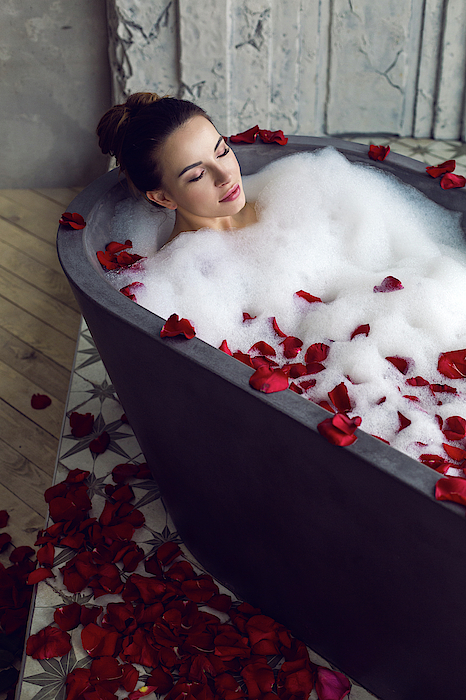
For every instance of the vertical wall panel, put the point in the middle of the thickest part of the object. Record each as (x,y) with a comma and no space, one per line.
(203,56)
(143,46)
(428,68)
(368,65)
(250,70)
(450,100)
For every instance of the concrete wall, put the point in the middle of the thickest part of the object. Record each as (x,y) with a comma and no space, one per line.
(54,87)
(334,67)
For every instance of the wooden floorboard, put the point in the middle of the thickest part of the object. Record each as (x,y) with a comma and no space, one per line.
(39,323)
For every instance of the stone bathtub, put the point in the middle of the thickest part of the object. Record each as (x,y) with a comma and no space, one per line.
(345,546)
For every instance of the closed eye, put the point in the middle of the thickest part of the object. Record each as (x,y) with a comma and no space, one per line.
(195,179)
(225,152)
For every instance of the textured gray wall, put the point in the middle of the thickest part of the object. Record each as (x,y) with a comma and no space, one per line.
(54,87)
(317,67)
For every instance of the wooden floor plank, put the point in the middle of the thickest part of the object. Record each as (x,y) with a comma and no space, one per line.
(23,478)
(53,379)
(42,251)
(18,390)
(49,281)
(24,523)
(42,225)
(60,195)
(27,438)
(31,330)
(38,304)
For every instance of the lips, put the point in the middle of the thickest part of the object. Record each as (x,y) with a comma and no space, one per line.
(232,194)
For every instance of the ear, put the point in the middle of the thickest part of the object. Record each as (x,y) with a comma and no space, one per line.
(160,197)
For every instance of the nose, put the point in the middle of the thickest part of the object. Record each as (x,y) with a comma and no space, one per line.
(222,176)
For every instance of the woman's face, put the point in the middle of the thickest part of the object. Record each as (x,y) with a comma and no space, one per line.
(201,176)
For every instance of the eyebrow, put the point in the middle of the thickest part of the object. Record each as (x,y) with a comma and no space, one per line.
(194,165)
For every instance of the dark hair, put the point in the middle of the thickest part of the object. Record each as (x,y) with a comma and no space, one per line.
(134,131)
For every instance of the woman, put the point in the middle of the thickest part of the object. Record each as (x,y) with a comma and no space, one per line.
(171,152)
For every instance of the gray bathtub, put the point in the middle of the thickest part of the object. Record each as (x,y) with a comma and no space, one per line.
(345,546)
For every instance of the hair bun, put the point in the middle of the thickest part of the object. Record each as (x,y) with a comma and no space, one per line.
(112,127)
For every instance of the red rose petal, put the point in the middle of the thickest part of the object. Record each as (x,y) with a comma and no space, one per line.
(331,685)
(48,643)
(389,284)
(455,453)
(177,326)
(130,290)
(68,617)
(454,428)
(39,575)
(72,219)
(248,136)
(450,181)
(308,297)
(401,363)
(276,328)
(106,261)
(339,429)
(403,421)
(3,518)
(114,247)
(452,364)
(161,681)
(77,682)
(248,317)
(317,352)
(168,552)
(442,388)
(340,398)
(273,136)
(295,370)
(97,641)
(224,348)
(361,330)
(453,488)
(81,424)
(19,554)
(268,380)
(308,384)
(436,170)
(40,401)
(262,348)
(244,358)
(100,443)
(378,152)
(291,346)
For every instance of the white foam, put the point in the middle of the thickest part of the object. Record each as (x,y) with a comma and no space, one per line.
(335,230)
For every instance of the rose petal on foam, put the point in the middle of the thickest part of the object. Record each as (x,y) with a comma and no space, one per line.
(40,401)
(364,329)
(436,170)
(106,260)
(339,429)
(291,346)
(224,348)
(248,136)
(340,398)
(389,284)
(331,685)
(72,219)
(403,422)
(294,387)
(276,328)
(268,380)
(401,363)
(442,389)
(296,370)
(450,181)
(114,247)
(308,384)
(248,317)
(48,643)
(244,358)
(417,381)
(130,290)
(308,297)
(262,348)
(273,136)
(455,453)
(452,364)
(317,352)
(454,428)
(177,326)
(453,488)
(378,152)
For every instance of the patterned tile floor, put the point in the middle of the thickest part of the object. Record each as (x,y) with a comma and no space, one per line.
(91,391)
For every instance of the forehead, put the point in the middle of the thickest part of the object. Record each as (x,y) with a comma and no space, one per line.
(192,142)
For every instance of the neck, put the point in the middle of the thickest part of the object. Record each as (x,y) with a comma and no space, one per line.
(185,222)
